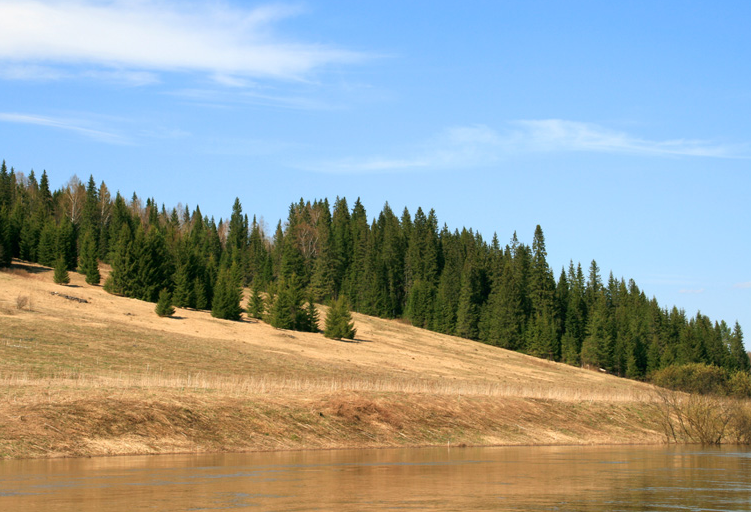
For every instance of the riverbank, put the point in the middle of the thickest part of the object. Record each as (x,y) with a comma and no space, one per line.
(85,373)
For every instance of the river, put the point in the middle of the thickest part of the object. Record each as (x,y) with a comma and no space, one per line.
(594,479)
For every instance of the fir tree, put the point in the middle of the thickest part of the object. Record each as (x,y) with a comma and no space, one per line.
(339,322)
(164,304)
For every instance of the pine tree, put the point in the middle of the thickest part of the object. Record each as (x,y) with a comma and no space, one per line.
(164,304)
(339,322)
(61,271)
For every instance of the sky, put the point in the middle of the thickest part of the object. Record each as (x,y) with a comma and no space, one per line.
(622,128)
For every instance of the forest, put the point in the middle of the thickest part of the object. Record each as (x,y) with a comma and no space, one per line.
(403,266)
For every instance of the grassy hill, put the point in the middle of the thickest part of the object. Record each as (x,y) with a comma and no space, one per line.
(108,376)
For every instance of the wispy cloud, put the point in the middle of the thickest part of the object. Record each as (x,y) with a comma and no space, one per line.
(78,126)
(481,145)
(225,42)
(562,135)
(691,291)
(747,284)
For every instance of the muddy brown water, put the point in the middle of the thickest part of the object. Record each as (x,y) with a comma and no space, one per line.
(521,478)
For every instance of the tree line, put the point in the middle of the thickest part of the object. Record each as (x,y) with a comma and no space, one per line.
(391,266)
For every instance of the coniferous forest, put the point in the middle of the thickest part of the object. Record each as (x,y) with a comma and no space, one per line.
(396,266)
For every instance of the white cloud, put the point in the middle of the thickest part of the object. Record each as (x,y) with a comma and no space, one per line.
(747,284)
(211,38)
(480,145)
(31,72)
(74,125)
(561,135)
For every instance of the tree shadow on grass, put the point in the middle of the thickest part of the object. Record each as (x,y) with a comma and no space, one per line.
(29,268)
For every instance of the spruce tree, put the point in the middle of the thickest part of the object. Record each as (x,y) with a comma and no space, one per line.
(61,271)
(227,295)
(339,322)
(737,350)
(164,304)
(183,295)
(311,318)
(5,244)
(256,305)
(47,249)
(287,310)
(88,261)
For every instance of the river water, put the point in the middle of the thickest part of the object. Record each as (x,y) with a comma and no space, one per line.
(594,479)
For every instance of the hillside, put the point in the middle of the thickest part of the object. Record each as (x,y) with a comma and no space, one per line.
(108,376)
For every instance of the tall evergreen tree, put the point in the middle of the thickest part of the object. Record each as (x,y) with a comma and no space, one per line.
(61,271)
(739,356)
(227,294)
(89,262)
(6,251)
(256,306)
(597,348)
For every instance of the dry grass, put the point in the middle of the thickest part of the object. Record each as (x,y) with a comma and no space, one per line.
(70,359)
(267,384)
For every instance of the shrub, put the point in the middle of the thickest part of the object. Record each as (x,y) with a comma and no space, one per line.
(693,378)
(739,385)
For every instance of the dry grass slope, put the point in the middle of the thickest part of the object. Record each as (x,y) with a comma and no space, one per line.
(106,375)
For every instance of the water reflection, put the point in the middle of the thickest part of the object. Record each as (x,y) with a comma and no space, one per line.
(543,478)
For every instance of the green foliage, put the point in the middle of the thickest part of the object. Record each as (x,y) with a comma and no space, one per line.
(448,281)
(164,304)
(227,295)
(89,261)
(256,307)
(339,322)
(288,309)
(61,271)
(6,252)
(693,378)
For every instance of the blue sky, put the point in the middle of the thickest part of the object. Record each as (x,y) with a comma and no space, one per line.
(622,128)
